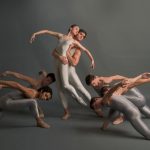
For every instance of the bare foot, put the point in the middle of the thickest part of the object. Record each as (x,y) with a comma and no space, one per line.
(41,123)
(118,120)
(66,116)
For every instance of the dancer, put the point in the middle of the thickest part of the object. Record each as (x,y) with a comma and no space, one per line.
(116,101)
(64,41)
(101,85)
(44,80)
(26,97)
(73,57)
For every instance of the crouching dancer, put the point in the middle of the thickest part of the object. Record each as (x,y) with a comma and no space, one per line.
(25,97)
(119,103)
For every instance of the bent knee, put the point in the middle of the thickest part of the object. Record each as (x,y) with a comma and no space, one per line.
(33,102)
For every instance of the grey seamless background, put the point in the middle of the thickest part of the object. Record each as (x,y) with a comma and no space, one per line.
(118,38)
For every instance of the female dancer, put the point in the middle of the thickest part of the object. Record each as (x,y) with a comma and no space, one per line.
(64,41)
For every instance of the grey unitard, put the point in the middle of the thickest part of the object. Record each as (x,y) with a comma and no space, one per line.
(131,112)
(16,100)
(137,98)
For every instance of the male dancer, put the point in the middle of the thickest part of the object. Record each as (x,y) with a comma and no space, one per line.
(35,83)
(116,101)
(64,41)
(27,97)
(101,84)
(44,80)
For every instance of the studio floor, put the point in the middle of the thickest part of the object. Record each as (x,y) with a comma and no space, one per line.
(82,131)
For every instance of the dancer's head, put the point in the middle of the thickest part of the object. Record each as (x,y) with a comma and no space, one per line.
(45,93)
(50,78)
(93,81)
(96,103)
(81,35)
(74,29)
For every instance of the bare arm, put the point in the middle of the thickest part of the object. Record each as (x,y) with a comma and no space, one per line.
(28,79)
(138,80)
(30,93)
(107,96)
(74,60)
(87,52)
(52,33)
(110,79)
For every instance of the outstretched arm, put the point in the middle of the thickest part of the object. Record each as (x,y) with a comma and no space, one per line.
(30,93)
(110,79)
(52,33)
(21,76)
(141,79)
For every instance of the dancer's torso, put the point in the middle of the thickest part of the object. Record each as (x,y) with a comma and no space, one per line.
(63,45)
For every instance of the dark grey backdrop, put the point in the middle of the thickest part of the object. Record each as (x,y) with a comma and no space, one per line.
(118,38)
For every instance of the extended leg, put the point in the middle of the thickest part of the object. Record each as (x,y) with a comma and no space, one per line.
(65,83)
(30,103)
(75,81)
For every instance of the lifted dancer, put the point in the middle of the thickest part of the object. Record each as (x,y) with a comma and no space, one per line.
(64,41)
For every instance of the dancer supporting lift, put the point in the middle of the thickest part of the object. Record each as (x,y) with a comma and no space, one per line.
(64,41)
(73,58)
(117,102)
(25,97)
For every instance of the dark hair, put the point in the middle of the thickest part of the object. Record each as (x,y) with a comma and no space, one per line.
(93,100)
(46,89)
(73,25)
(89,78)
(83,31)
(104,89)
(52,76)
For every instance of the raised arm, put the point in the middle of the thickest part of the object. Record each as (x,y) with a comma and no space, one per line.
(52,33)
(87,52)
(107,96)
(30,93)
(28,79)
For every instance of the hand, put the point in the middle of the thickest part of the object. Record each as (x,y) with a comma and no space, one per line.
(125,82)
(32,38)
(64,60)
(92,64)
(71,46)
(4,74)
(145,75)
